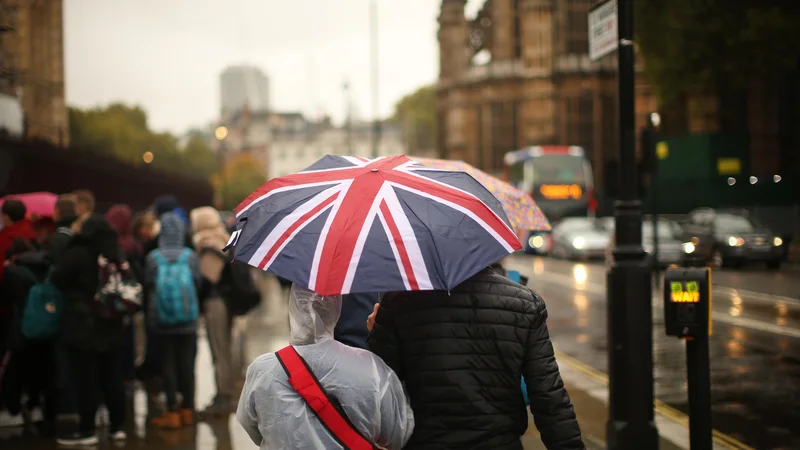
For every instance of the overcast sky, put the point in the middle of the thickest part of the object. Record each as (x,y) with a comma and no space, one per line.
(166,55)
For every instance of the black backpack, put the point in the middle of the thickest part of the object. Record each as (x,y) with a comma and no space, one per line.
(238,289)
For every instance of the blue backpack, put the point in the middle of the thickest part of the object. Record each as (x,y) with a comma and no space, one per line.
(41,318)
(175,293)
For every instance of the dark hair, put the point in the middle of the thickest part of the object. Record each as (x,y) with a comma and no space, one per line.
(14,209)
(84,197)
(65,205)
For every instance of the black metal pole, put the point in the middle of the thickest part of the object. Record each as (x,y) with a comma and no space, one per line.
(631,424)
(699,373)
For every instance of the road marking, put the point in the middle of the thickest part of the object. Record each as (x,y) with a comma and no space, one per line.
(720,438)
(759,296)
(718,316)
(755,324)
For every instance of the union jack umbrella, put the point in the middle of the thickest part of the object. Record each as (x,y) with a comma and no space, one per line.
(348,224)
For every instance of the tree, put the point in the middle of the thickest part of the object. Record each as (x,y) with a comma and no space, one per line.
(122,131)
(718,44)
(199,157)
(416,114)
(242,174)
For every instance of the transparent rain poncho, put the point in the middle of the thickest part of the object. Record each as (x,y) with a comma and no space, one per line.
(276,417)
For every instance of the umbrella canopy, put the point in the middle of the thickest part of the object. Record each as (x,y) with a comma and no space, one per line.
(522,211)
(348,224)
(37,203)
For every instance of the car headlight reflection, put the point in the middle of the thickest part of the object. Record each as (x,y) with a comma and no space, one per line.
(579,243)
(688,247)
(734,241)
(536,241)
(777,242)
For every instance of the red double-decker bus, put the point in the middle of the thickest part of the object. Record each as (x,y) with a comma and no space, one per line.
(560,180)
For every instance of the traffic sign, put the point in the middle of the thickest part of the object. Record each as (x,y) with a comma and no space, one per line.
(603,34)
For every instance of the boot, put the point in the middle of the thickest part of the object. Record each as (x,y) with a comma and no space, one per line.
(187,416)
(170,420)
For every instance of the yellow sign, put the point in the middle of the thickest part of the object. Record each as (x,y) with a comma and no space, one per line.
(662,150)
(729,166)
(688,293)
(561,191)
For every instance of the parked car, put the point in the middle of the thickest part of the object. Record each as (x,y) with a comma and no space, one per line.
(580,238)
(732,238)
(672,249)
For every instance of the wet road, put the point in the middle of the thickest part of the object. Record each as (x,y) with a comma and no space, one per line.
(755,346)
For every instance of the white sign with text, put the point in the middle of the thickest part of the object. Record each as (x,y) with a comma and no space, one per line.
(603,34)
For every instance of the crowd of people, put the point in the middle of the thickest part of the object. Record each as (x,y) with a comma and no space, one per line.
(92,303)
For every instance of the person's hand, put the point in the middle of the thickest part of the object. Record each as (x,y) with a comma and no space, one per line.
(371,318)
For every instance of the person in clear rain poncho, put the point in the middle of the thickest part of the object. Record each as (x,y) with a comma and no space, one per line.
(276,417)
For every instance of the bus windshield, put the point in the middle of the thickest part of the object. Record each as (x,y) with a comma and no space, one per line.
(516,175)
(558,169)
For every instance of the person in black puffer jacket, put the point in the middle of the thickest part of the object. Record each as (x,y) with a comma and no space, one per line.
(461,355)
(92,345)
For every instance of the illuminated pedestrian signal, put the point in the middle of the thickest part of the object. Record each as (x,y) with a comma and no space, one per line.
(687,292)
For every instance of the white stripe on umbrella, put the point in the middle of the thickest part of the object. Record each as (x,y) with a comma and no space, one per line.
(409,238)
(290,188)
(286,223)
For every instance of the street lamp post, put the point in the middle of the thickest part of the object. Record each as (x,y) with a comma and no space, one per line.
(220,134)
(631,424)
(376,123)
(349,123)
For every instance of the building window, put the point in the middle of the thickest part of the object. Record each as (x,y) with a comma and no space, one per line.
(586,124)
(517,11)
(503,128)
(580,122)
(577,29)
(608,110)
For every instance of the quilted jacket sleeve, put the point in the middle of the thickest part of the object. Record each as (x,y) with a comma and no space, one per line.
(550,404)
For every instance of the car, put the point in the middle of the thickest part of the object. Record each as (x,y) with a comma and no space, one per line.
(579,238)
(672,249)
(732,238)
(537,243)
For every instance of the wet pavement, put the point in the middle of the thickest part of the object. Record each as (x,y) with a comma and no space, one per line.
(755,346)
(755,366)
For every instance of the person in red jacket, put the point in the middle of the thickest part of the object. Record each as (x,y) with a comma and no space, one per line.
(15,225)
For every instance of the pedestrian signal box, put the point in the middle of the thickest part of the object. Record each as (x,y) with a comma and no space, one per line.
(687,301)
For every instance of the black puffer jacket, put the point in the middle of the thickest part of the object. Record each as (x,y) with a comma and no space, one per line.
(461,356)
(76,276)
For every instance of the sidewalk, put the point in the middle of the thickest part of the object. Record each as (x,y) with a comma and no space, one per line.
(266,330)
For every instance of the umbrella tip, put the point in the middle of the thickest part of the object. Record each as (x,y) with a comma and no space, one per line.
(374,170)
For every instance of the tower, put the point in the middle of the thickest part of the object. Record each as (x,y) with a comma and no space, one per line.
(454,51)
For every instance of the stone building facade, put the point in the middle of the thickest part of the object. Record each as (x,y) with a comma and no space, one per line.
(537,88)
(519,74)
(32,65)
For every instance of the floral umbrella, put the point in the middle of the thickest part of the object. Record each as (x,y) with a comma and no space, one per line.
(522,211)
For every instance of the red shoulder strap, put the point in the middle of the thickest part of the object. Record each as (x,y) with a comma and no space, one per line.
(306,384)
